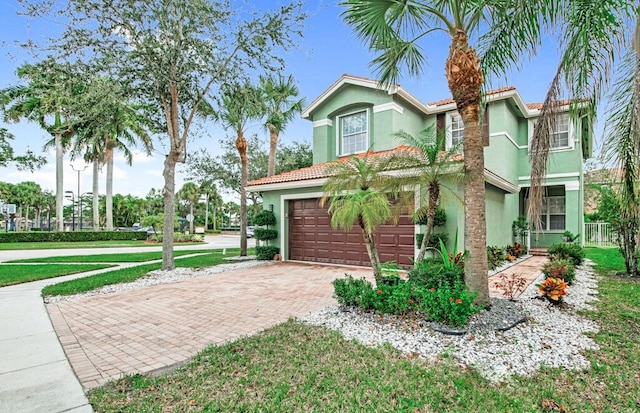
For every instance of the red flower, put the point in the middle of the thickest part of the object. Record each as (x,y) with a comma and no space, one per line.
(410,301)
(458,301)
(450,299)
(379,292)
(433,290)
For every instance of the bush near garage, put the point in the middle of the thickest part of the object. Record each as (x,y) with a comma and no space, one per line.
(74,236)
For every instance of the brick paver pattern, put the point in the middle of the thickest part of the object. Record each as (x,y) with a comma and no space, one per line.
(154,327)
(147,329)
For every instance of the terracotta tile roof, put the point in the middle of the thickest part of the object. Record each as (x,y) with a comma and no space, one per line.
(322,170)
(491,92)
(538,106)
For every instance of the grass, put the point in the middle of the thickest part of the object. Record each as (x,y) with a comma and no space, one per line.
(17,274)
(128,257)
(295,367)
(608,260)
(11,246)
(125,275)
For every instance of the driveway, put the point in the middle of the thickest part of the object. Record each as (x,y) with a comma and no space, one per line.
(147,329)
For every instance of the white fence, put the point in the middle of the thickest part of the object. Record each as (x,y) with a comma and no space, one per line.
(599,234)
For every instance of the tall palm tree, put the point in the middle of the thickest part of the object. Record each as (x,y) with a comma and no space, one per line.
(45,99)
(240,104)
(27,194)
(190,192)
(431,165)
(359,193)
(281,107)
(507,31)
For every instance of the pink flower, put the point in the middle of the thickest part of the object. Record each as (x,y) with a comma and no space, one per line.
(379,292)
(458,301)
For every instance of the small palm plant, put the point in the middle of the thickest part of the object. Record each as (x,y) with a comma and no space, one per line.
(360,193)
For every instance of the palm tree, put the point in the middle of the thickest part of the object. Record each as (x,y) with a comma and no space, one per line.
(241,104)
(359,194)
(190,193)
(44,100)
(507,31)
(281,108)
(27,194)
(431,164)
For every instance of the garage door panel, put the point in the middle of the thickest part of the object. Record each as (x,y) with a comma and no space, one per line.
(313,239)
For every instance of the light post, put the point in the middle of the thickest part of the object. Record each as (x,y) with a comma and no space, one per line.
(70,195)
(80,201)
(81,167)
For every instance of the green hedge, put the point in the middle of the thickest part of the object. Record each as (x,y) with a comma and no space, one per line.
(264,218)
(265,234)
(74,236)
(434,239)
(266,252)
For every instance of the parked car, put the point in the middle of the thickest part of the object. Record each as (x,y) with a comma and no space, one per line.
(250,231)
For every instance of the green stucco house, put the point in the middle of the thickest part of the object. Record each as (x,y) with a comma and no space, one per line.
(356,114)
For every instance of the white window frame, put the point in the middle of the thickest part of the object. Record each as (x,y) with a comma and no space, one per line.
(545,214)
(569,131)
(449,129)
(339,135)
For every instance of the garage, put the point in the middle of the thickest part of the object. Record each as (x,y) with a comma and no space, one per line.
(311,238)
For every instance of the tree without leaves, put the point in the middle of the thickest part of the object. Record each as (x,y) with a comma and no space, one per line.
(172,55)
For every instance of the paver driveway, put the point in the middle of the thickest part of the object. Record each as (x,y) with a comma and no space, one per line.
(154,327)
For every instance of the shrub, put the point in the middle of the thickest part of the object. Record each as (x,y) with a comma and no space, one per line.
(516,250)
(439,220)
(267,252)
(351,291)
(511,285)
(178,237)
(432,273)
(553,289)
(74,236)
(449,305)
(213,231)
(434,238)
(564,251)
(265,234)
(562,269)
(264,218)
(495,257)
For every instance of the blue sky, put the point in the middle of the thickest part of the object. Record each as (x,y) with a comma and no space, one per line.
(328,49)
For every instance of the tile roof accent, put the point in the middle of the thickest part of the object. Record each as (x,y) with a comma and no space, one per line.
(491,92)
(322,170)
(538,106)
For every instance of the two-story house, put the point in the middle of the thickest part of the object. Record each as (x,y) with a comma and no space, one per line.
(356,114)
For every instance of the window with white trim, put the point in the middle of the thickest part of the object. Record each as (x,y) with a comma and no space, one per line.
(553,213)
(455,129)
(354,130)
(560,136)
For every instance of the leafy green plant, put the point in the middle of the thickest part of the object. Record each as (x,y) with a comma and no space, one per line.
(449,305)
(516,250)
(553,289)
(178,237)
(390,273)
(566,251)
(267,252)
(434,238)
(448,259)
(350,291)
(439,220)
(73,236)
(562,269)
(570,237)
(432,273)
(265,234)
(495,256)
(520,226)
(264,218)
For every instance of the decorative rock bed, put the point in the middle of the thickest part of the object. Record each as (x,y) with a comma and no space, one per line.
(549,336)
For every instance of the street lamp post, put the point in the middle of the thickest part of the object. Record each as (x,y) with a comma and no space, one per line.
(70,195)
(80,201)
(80,169)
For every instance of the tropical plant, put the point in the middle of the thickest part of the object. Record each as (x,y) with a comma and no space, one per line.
(240,104)
(431,164)
(281,107)
(506,31)
(562,269)
(495,256)
(432,273)
(570,237)
(358,193)
(44,99)
(553,289)
(448,259)
(564,251)
(190,193)
(511,284)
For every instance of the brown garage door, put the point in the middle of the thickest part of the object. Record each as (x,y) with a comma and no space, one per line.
(311,238)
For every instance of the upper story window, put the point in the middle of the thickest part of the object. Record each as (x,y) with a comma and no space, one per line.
(354,131)
(455,129)
(560,136)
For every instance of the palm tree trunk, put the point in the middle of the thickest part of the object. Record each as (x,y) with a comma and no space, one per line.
(59,182)
(434,198)
(215,217)
(109,191)
(96,193)
(372,250)
(192,218)
(464,77)
(241,146)
(273,143)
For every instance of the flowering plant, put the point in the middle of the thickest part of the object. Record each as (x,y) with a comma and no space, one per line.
(553,289)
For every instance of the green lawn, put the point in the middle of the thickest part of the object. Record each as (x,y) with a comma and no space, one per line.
(125,275)
(10,246)
(128,257)
(16,274)
(295,367)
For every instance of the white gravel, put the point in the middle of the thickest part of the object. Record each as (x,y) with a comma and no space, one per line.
(552,336)
(159,277)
